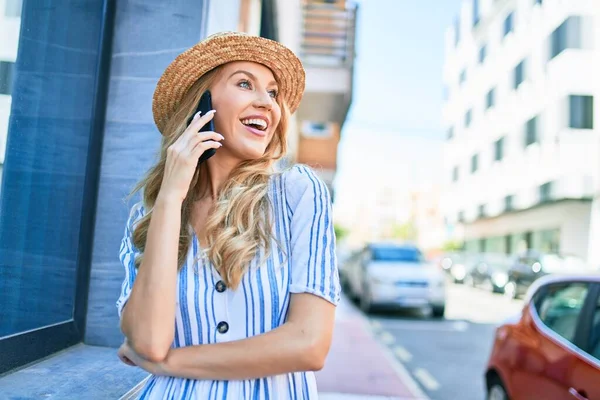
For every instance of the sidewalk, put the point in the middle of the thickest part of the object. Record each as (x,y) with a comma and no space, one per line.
(360,368)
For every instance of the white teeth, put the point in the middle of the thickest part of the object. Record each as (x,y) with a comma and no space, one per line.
(262,124)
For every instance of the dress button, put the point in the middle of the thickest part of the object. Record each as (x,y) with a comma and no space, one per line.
(223,327)
(220,286)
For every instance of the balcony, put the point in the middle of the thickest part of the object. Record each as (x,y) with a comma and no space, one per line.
(327,52)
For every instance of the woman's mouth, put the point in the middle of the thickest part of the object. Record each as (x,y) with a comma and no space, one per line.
(257,126)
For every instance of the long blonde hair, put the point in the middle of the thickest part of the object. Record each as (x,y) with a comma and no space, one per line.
(239,223)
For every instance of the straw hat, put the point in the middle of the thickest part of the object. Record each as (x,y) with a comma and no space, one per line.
(220,49)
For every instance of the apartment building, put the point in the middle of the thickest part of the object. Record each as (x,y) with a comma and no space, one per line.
(521,162)
(327,44)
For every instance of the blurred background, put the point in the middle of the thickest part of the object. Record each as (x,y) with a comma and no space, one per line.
(457,139)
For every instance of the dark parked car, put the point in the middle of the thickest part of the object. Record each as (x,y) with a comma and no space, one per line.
(490,271)
(532,265)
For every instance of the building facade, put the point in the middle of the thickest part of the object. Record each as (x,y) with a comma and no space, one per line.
(521,162)
(76,121)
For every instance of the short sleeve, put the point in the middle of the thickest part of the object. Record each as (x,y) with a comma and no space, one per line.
(127,254)
(313,255)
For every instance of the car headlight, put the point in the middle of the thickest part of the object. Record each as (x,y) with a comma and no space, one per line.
(500,279)
(459,271)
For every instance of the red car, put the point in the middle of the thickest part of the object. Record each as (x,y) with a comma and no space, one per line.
(552,351)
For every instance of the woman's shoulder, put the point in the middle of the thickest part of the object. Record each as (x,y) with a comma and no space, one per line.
(299,181)
(136,212)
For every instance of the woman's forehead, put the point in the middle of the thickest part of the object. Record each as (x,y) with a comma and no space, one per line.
(260,71)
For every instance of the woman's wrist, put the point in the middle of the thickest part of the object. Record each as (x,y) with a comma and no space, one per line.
(168,200)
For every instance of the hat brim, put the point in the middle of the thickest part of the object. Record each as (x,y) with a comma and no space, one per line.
(221,49)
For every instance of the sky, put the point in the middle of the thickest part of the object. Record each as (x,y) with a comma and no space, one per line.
(393,136)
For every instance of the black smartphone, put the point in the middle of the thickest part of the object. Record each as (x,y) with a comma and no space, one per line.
(205,105)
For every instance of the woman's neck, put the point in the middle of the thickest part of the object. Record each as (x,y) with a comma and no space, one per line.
(213,176)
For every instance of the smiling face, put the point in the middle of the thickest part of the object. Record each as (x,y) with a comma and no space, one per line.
(245,98)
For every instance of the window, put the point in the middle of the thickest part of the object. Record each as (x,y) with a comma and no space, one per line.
(508,203)
(456,31)
(560,306)
(519,74)
(545,192)
(474,163)
(594,336)
(499,149)
(450,132)
(475,12)
(13,8)
(531,135)
(538,2)
(468,117)
(481,211)
(490,99)
(581,112)
(482,54)
(6,77)
(461,216)
(508,24)
(317,130)
(463,76)
(455,174)
(566,36)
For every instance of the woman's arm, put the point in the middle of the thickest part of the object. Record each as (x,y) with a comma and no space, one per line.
(300,344)
(152,298)
(148,317)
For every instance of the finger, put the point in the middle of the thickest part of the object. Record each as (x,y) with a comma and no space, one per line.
(204,136)
(200,120)
(201,147)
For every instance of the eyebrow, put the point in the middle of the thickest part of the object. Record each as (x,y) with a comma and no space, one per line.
(251,76)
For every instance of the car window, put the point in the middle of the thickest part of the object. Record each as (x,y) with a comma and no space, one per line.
(560,307)
(594,345)
(401,254)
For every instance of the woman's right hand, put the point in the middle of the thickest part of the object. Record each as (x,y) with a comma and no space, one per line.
(183,155)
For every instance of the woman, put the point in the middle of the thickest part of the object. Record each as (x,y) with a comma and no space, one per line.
(231,278)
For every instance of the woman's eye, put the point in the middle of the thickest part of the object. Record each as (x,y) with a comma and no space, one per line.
(245,84)
(273,93)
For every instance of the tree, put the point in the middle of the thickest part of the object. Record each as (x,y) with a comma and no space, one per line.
(340,232)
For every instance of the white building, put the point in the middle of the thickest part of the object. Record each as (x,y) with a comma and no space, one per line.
(521,161)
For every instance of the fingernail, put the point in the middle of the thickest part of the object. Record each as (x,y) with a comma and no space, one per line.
(197,114)
(222,137)
(211,112)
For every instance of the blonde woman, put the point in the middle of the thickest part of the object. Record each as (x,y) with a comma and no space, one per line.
(231,279)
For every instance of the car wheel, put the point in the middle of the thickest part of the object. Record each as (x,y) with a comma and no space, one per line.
(496,390)
(469,281)
(365,300)
(438,311)
(510,290)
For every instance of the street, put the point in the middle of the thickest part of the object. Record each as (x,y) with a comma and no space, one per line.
(447,357)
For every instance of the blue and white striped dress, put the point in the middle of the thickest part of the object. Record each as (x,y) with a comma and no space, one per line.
(302,223)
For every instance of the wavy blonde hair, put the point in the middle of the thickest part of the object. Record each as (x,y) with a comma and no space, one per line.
(239,223)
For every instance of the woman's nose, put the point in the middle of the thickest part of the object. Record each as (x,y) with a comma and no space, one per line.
(263,100)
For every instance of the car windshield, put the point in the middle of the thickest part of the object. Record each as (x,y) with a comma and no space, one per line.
(401,254)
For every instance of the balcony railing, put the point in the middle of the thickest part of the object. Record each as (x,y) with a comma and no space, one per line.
(328,34)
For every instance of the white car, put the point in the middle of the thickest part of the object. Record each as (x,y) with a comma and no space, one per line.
(395,275)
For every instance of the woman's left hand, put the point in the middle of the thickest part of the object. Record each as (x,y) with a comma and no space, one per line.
(130,357)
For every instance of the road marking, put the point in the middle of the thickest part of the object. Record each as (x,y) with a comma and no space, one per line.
(402,354)
(459,326)
(376,325)
(387,338)
(426,379)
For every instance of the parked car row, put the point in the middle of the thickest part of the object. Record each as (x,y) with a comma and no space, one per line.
(510,275)
(394,275)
